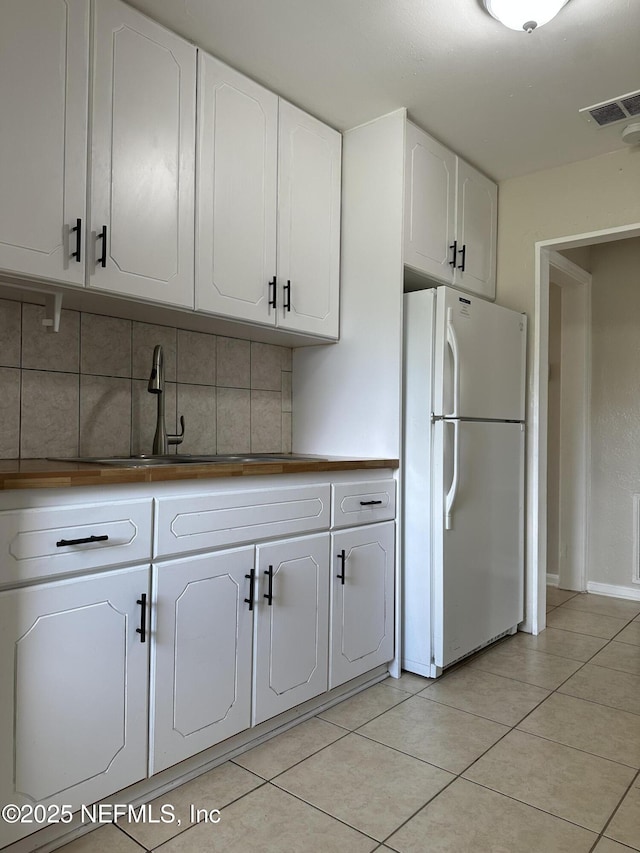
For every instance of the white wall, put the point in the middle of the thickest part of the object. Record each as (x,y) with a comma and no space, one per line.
(348,396)
(615,411)
(588,195)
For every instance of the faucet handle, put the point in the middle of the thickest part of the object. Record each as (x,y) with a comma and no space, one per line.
(177,439)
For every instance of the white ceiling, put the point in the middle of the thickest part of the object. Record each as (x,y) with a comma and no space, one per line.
(506,101)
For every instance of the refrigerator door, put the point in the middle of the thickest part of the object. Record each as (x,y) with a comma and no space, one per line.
(479,358)
(477,534)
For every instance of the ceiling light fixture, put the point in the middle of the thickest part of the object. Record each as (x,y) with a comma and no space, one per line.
(523,14)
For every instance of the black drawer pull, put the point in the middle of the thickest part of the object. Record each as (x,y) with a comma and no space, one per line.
(142,630)
(463,252)
(370,503)
(343,559)
(78,230)
(269,594)
(286,293)
(84,541)
(454,247)
(273,298)
(251,577)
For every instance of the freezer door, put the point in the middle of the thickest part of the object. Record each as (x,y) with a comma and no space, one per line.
(477,534)
(479,358)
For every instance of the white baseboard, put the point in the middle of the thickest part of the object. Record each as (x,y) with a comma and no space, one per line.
(613,590)
(553,580)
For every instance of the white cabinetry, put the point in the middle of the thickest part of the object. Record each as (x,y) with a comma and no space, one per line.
(137,238)
(291,629)
(108,678)
(450,216)
(362,600)
(73,707)
(44,62)
(237,188)
(201,659)
(430,205)
(308,223)
(142,158)
(268,175)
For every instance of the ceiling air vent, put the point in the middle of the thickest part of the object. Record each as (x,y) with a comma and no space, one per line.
(631,103)
(613,111)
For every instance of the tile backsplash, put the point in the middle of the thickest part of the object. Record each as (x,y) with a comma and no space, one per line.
(83,390)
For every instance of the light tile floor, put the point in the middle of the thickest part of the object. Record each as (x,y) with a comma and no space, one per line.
(531,747)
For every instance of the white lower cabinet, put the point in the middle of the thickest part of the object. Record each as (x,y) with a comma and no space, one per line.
(110,677)
(362,600)
(73,704)
(201,657)
(292,624)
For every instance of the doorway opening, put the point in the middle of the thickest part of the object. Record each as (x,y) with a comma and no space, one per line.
(545,255)
(568,423)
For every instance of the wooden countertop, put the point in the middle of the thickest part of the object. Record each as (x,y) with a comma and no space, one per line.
(46,474)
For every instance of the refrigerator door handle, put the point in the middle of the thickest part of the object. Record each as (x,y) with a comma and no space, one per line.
(452,341)
(450,497)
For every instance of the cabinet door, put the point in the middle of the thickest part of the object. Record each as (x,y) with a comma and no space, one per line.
(429,215)
(201,658)
(237,184)
(477,219)
(44,56)
(362,600)
(291,632)
(143,153)
(309,163)
(73,709)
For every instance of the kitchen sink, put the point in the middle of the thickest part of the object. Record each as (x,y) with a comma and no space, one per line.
(143,460)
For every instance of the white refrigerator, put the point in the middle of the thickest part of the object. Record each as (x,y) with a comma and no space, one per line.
(463,475)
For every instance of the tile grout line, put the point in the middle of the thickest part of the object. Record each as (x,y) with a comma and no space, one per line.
(514,728)
(154,847)
(457,776)
(615,811)
(510,729)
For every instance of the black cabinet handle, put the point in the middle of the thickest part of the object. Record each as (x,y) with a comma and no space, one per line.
(370,503)
(343,559)
(251,577)
(84,541)
(269,594)
(102,260)
(78,230)
(273,302)
(142,630)
(463,252)
(286,292)
(454,247)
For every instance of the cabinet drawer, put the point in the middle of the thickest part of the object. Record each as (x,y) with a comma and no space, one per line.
(199,522)
(48,541)
(363,502)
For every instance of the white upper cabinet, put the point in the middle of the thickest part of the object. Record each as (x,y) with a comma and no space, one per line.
(142,158)
(268,207)
(98,171)
(308,223)
(430,204)
(477,219)
(451,215)
(237,187)
(44,56)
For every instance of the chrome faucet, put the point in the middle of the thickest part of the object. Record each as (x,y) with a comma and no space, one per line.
(161,440)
